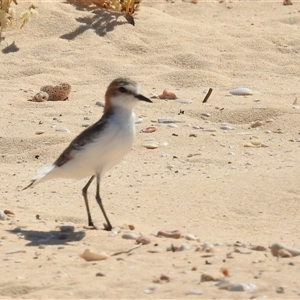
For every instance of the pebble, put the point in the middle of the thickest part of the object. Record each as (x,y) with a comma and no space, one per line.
(155,250)
(139,121)
(194,292)
(150,290)
(191,237)
(168,120)
(241,92)
(256,124)
(149,129)
(206,115)
(242,287)
(14,251)
(3,216)
(143,240)
(174,234)
(91,256)
(226,127)
(209,129)
(129,236)
(62,130)
(100,103)
(276,250)
(280,290)
(40,132)
(8,212)
(150,144)
(172,125)
(67,228)
(184,101)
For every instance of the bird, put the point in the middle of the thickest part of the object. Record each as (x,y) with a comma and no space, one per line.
(101,146)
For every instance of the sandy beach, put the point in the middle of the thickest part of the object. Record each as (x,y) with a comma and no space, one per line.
(225,173)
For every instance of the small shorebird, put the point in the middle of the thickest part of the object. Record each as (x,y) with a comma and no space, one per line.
(102,145)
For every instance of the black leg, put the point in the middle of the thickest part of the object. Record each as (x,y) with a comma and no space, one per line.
(107,226)
(84,194)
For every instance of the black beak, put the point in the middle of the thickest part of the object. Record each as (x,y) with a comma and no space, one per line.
(143,98)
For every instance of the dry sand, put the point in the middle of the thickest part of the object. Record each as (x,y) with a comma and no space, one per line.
(224,194)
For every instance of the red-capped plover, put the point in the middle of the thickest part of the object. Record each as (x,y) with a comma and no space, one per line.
(102,145)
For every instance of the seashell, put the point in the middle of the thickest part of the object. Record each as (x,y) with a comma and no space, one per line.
(151,144)
(168,120)
(256,124)
(149,129)
(40,97)
(277,246)
(167,95)
(3,216)
(226,127)
(91,256)
(241,92)
(129,236)
(57,93)
(191,237)
(242,287)
(194,292)
(143,240)
(174,234)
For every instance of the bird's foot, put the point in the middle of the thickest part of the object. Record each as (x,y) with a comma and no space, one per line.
(107,227)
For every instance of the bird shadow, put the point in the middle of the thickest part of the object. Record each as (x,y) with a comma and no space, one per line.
(101,21)
(37,238)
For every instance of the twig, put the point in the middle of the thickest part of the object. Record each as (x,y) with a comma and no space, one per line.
(207,95)
(127,251)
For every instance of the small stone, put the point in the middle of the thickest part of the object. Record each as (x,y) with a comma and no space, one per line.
(241,92)
(206,115)
(40,132)
(168,120)
(129,236)
(242,287)
(91,256)
(150,144)
(62,130)
(155,250)
(191,237)
(256,124)
(226,127)
(143,240)
(280,290)
(99,274)
(183,101)
(149,129)
(194,292)
(174,234)
(193,135)
(164,277)
(8,212)
(131,227)
(3,216)
(67,228)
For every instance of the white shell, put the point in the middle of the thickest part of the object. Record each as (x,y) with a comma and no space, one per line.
(3,216)
(241,92)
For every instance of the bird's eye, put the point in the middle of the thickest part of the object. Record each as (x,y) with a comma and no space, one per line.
(122,89)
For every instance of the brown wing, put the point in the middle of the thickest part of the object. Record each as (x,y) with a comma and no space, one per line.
(85,137)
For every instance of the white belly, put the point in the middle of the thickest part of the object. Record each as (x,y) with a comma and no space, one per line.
(106,151)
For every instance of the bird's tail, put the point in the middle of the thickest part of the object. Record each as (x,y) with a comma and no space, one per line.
(41,176)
